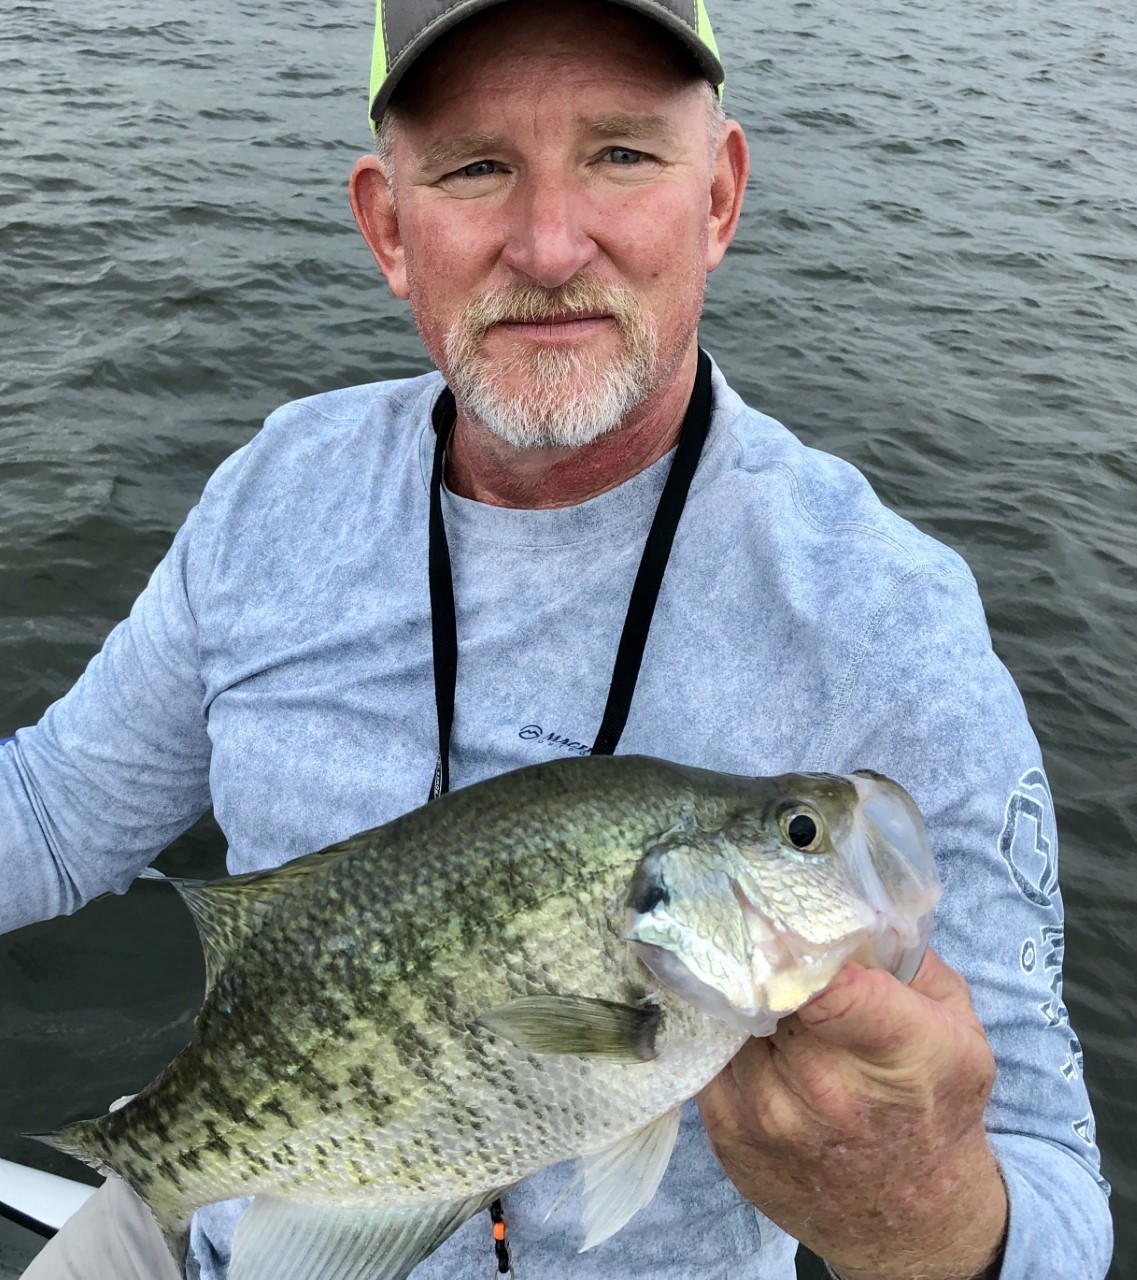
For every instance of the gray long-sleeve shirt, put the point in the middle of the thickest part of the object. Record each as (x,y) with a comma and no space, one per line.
(278,665)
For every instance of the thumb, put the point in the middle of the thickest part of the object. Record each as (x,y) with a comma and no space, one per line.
(870,1013)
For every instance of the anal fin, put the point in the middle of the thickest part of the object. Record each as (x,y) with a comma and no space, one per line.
(281,1239)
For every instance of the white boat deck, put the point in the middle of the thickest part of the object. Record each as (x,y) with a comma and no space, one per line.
(42,1196)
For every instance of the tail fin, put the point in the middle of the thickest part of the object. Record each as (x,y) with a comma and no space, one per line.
(90,1141)
(85,1140)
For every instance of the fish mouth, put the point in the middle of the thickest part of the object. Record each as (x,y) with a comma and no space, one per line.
(786,970)
(892,863)
(738,950)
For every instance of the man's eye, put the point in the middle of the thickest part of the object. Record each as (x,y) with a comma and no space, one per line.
(625,155)
(479,169)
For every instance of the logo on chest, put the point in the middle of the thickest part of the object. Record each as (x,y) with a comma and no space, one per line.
(547,738)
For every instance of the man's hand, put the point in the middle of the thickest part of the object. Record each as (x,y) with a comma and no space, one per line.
(858,1128)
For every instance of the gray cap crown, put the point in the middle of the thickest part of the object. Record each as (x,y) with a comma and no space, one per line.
(405,29)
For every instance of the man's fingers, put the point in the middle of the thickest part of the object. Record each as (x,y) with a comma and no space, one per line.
(864,1016)
(750,1095)
(730,1092)
(862,1009)
(868,1039)
(871,1014)
(940,982)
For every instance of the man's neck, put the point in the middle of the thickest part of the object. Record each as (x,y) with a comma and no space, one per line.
(482,466)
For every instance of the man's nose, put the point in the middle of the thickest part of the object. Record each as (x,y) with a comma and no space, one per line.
(547,242)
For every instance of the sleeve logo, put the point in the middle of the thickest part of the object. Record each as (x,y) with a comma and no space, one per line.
(1027,842)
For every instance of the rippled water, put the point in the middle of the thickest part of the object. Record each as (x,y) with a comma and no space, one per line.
(936,278)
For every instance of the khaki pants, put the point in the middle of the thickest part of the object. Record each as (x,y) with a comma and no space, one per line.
(112,1237)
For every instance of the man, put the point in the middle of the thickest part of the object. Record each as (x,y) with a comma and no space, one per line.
(552,185)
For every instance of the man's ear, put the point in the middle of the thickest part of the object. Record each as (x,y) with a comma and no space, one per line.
(728,186)
(374,212)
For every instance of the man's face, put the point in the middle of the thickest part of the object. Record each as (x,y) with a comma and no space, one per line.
(552,169)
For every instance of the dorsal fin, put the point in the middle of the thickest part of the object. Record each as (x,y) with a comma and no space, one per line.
(224,919)
(228,912)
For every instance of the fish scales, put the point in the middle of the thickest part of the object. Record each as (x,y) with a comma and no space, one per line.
(320,1006)
(338,1058)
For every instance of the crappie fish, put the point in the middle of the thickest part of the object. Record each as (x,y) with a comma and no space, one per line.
(542,966)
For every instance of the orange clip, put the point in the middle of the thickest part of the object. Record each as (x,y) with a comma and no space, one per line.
(499,1230)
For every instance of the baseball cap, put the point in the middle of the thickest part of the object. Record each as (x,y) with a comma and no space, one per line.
(405,29)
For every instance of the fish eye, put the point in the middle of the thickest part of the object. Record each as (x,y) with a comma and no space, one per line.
(802,828)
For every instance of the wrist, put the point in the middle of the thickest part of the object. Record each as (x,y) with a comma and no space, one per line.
(957,1232)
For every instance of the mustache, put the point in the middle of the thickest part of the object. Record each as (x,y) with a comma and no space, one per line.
(530,303)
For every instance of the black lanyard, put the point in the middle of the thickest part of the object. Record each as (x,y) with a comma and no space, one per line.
(641,605)
(633,639)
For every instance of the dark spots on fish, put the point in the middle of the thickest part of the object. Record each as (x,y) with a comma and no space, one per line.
(277,1108)
(191,1160)
(135,1146)
(312,1080)
(216,1141)
(535,979)
(254,1158)
(379,1102)
(362,1077)
(423,1150)
(435,1147)
(170,1172)
(138,1175)
(416,1051)
(253,1121)
(442,1004)
(227,1104)
(478,1045)
(475,1120)
(327,1017)
(411,1165)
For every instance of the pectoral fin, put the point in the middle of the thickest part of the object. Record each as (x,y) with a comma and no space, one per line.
(578,1025)
(277,1238)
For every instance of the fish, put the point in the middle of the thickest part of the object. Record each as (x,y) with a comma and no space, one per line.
(542,966)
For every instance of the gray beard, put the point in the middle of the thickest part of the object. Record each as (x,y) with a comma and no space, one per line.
(569,399)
